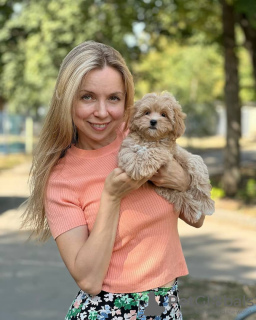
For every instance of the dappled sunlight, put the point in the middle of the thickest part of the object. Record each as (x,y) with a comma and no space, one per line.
(33,279)
(222,249)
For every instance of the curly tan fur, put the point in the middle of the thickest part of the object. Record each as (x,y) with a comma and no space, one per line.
(157,121)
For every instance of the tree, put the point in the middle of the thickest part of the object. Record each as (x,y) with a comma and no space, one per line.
(37,34)
(246,17)
(184,19)
(6,12)
(40,34)
(195,79)
(232,175)
(215,21)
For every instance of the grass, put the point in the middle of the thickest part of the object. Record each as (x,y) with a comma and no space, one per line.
(245,199)
(11,160)
(211,300)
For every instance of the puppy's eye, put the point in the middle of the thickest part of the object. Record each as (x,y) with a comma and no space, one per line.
(147,113)
(163,114)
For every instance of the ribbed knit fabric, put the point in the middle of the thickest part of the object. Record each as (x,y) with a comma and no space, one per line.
(147,252)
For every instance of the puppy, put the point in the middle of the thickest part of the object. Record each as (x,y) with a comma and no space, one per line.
(157,121)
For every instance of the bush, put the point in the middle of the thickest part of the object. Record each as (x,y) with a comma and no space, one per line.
(248,193)
(217,193)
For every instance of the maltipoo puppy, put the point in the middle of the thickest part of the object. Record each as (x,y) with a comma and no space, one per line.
(156,123)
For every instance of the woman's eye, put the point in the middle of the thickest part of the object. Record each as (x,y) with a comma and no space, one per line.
(87,97)
(114,98)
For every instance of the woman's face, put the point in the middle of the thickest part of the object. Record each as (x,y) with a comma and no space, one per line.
(99,108)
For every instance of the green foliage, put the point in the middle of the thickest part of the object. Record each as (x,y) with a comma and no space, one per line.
(201,119)
(217,193)
(248,192)
(247,89)
(247,7)
(183,20)
(34,42)
(247,86)
(178,49)
(193,74)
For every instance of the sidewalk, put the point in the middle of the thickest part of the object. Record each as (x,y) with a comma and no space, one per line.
(223,249)
(35,284)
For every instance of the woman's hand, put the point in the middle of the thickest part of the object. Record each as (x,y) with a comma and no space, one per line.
(197,224)
(172,176)
(118,184)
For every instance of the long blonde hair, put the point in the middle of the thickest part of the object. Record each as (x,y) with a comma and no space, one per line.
(58,132)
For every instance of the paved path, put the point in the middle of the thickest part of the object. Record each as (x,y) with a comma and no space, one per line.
(34,284)
(214,159)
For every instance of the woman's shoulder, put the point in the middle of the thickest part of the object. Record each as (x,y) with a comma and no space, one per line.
(58,170)
(60,179)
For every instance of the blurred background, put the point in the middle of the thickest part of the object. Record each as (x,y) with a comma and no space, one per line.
(204,53)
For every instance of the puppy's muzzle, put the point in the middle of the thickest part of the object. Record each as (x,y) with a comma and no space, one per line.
(153,124)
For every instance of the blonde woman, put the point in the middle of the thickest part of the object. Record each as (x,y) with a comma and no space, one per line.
(118,240)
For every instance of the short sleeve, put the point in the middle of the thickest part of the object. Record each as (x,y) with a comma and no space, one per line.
(62,207)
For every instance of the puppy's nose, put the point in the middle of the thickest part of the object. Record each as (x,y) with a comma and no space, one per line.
(153,122)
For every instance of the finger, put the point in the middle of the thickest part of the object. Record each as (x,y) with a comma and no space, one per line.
(138,181)
(144,180)
(176,163)
(123,176)
(118,170)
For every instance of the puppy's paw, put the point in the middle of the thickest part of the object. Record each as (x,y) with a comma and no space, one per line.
(141,162)
(207,206)
(191,208)
(197,216)
(129,159)
(192,214)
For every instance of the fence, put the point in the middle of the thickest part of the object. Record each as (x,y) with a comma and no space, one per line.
(248,120)
(16,133)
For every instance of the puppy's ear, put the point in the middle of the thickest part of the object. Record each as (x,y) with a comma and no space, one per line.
(179,125)
(134,110)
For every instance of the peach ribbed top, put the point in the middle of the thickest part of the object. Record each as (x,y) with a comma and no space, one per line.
(147,252)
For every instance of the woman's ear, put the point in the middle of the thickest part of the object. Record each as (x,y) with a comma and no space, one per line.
(179,124)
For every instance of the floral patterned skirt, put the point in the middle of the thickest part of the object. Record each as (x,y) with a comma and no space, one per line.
(158,303)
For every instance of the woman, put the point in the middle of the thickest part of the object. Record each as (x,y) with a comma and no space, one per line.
(118,240)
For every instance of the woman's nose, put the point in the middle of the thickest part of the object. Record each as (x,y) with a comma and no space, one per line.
(101,109)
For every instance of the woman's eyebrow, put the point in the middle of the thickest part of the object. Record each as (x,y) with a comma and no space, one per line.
(84,90)
(112,93)
(118,92)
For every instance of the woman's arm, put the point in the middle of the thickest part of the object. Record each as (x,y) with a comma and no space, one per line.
(87,257)
(173,176)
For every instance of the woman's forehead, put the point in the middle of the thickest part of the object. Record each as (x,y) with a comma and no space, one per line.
(107,78)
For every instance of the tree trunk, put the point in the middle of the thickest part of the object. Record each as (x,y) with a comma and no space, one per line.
(250,40)
(232,175)
(2,102)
